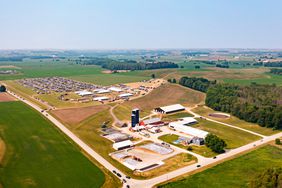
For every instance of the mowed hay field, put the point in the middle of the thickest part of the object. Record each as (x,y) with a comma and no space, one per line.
(38,155)
(73,116)
(164,95)
(205,111)
(235,173)
(4,97)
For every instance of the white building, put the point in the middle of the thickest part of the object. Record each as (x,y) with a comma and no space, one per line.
(170,109)
(125,95)
(83,93)
(101,91)
(122,145)
(188,120)
(100,98)
(116,89)
(181,127)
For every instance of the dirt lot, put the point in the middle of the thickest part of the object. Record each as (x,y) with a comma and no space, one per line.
(73,116)
(166,95)
(9,66)
(5,97)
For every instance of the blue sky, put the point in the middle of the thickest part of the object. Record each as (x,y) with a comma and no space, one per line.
(134,24)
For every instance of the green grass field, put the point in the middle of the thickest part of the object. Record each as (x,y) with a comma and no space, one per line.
(235,173)
(201,150)
(233,137)
(63,68)
(38,155)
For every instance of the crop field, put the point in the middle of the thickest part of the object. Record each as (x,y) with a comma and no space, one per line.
(234,173)
(205,111)
(37,155)
(201,150)
(233,137)
(162,96)
(63,68)
(73,116)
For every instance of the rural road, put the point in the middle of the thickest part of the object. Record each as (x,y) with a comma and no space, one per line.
(150,182)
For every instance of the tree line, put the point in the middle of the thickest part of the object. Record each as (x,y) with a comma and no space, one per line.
(273,64)
(261,104)
(200,84)
(111,64)
(276,71)
(271,177)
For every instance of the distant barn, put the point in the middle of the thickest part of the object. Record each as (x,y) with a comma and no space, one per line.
(170,109)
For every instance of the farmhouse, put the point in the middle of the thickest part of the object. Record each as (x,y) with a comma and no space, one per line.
(170,109)
(122,145)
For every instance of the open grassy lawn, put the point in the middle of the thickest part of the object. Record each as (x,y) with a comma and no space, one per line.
(201,150)
(205,111)
(235,173)
(38,155)
(164,95)
(233,137)
(109,79)
(175,116)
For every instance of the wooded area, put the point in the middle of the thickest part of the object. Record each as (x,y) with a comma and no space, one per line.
(261,104)
(110,64)
(276,71)
(200,84)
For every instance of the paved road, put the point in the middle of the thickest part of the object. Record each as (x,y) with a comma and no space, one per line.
(151,182)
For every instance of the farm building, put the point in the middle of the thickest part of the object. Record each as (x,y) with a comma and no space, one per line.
(83,93)
(125,95)
(181,127)
(100,98)
(170,109)
(188,121)
(116,89)
(122,145)
(102,91)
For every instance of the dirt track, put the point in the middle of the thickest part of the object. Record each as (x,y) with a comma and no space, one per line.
(5,97)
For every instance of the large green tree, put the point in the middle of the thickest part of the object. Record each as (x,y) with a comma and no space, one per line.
(215,143)
(270,178)
(2,88)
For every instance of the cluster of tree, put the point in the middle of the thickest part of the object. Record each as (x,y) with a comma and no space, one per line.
(261,104)
(276,71)
(271,178)
(215,143)
(2,88)
(278,141)
(20,58)
(200,84)
(222,66)
(139,66)
(173,80)
(124,64)
(273,64)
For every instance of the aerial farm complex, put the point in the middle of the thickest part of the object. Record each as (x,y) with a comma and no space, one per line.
(135,128)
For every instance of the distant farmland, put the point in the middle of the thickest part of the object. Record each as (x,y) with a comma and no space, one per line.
(37,155)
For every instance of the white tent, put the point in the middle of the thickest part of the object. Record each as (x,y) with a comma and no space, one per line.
(100,98)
